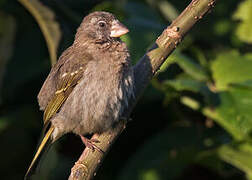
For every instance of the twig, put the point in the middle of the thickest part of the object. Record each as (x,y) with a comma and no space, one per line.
(87,165)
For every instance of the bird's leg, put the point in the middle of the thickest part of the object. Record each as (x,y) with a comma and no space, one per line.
(89,143)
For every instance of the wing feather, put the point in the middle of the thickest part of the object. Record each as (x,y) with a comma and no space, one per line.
(65,86)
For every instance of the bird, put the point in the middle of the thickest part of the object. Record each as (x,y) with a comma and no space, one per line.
(89,87)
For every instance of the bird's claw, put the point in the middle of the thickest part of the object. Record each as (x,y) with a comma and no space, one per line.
(89,143)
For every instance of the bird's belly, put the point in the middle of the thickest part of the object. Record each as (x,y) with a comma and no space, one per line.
(100,107)
(96,105)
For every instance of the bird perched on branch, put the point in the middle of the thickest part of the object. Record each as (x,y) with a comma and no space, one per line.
(90,85)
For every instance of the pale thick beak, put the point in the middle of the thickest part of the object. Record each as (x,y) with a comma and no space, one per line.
(118,29)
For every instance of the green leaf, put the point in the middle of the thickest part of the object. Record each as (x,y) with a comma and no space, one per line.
(48,25)
(167,9)
(223,27)
(243,100)
(247,84)
(210,158)
(231,67)
(244,14)
(170,155)
(185,84)
(232,74)
(190,102)
(167,63)
(190,67)
(239,155)
(233,112)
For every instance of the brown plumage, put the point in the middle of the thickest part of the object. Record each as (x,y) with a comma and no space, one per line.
(89,87)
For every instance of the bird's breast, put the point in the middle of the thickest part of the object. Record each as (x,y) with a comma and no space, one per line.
(99,99)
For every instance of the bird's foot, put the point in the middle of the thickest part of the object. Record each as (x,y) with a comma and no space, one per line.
(89,143)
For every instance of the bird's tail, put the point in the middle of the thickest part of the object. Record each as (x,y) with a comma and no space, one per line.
(46,141)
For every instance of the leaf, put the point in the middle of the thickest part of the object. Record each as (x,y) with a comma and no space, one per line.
(190,102)
(230,114)
(232,75)
(239,155)
(243,100)
(166,155)
(247,84)
(190,67)
(223,26)
(167,9)
(210,158)
(231,67)
(233,112)
(244,14)
(167,62)
(185,84)
(49,27)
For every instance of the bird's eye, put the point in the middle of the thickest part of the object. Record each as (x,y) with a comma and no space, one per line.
(102,23)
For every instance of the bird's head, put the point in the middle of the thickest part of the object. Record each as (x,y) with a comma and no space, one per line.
(101,27)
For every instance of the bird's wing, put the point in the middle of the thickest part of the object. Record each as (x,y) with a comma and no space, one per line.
(65,87)
(64,76)
(65,84)
(49,87)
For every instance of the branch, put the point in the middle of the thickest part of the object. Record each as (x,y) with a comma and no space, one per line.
(144,70)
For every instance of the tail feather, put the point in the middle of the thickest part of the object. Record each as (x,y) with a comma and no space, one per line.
(46,141)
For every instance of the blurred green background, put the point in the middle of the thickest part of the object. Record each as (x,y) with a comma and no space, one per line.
(194,120)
